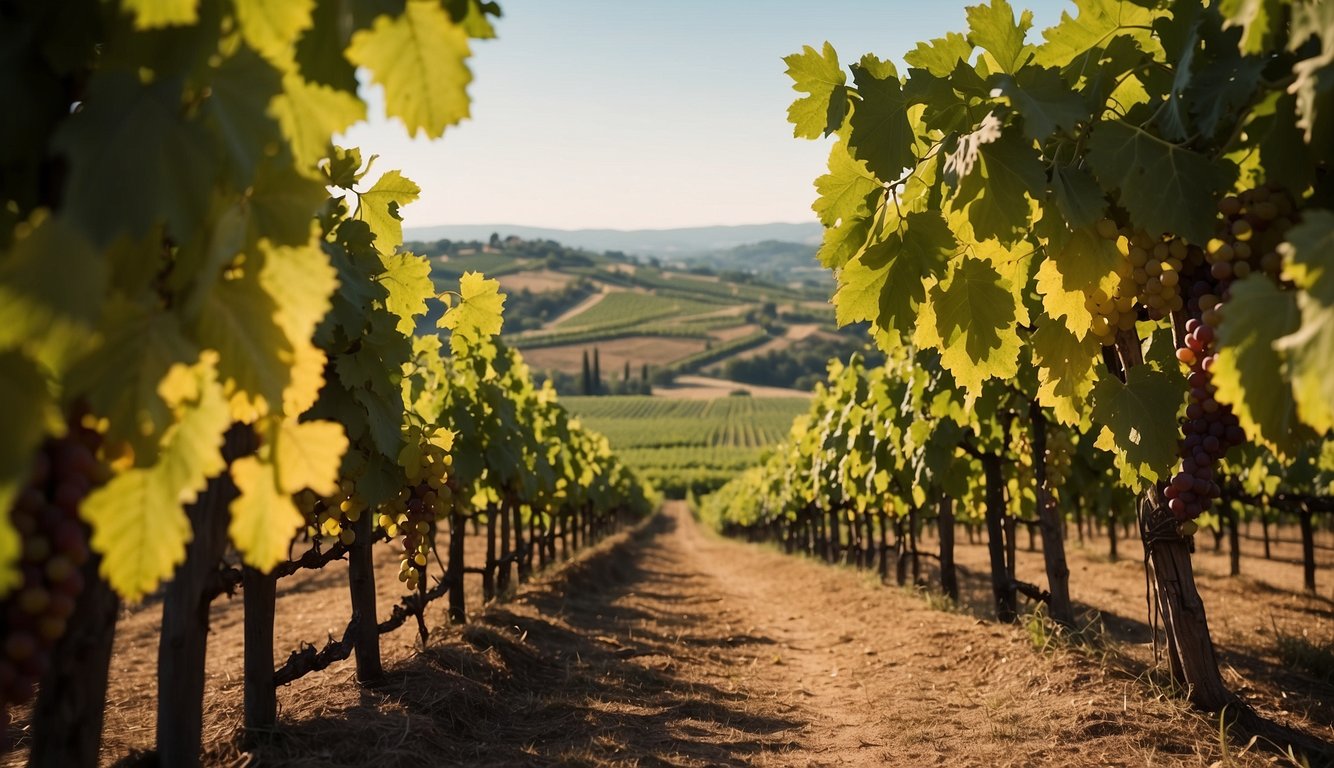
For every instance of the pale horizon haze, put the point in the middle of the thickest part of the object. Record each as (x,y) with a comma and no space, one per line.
(645,114)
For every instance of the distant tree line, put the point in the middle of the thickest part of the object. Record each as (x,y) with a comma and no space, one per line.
(801,366)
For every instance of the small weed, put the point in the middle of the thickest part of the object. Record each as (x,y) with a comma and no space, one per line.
(937,601)
(1301,652)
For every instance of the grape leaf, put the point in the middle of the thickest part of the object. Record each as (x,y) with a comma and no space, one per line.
(407,277)
(42,310)
(135,159)
(310,114)
(1067,371)
(419,57)
(817,73)
(994,29)
(140,344)
(970,316)
(303,281)
(998,175)
(283,203)
(1311,348)
(1166,188)
(942,55)
(1259,19)
(1078,42)
(379,208)
(273,28)
(1045,100)
(241,89)
(264,519)
(1137,422)
(1078,196)
(477,315)
(845,241)
(880,135)
(152,14)
(886,283)
(308,455)
(1075,264)
(238,318)
(846,191)
(1250,373)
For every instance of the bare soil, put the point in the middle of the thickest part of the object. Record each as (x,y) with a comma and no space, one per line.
(613,354)
(670,646)
(710,388)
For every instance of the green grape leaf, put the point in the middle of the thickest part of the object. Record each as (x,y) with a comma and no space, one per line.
(1078,196)
(283,203)
(29,415)
(1274,148)
(1078,42)
(1045,100)
(1137,422)
(310,115)
(1250,373)
(42,310)
(135,159)
(273,28)
(379,208)
(994,29)
(817,73)
(846,192)
(407,277)
(1259,20)
(419,57)
(1075,265)
(264,519)
(477,315)
(845,241)
(971,317)
(996,175)
(241,89)
(1067,371)
(1310,348)
(886,283)
(320,50)
(1166,188)
(308,455)
(942,55)
(881,135)
(140,344)
(239,319)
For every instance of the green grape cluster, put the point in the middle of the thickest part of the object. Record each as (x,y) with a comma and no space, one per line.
(332,517)
(54,548)
(1251,227)
(413,514)
(1060,450)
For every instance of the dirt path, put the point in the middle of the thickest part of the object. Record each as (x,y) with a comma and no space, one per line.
(672,647)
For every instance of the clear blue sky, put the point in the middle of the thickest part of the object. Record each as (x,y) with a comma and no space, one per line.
(645,113)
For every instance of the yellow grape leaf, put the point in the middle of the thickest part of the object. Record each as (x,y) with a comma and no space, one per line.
(151,14)
(302,281)
(419,59)
(272,28)
(264,519)
(970,316)
(477,316)
(310,114)
(140,529)
(308,455)
(1076,264)
(407,278)
(379,205)
(1067,371)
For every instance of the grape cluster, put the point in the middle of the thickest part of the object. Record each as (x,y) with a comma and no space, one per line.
(414,512)
(1251,227)
(332,517)
(1059,451)
(54,550)
(1149,276)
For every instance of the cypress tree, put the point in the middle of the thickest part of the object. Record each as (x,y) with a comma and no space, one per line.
(597,373)
(586,387)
